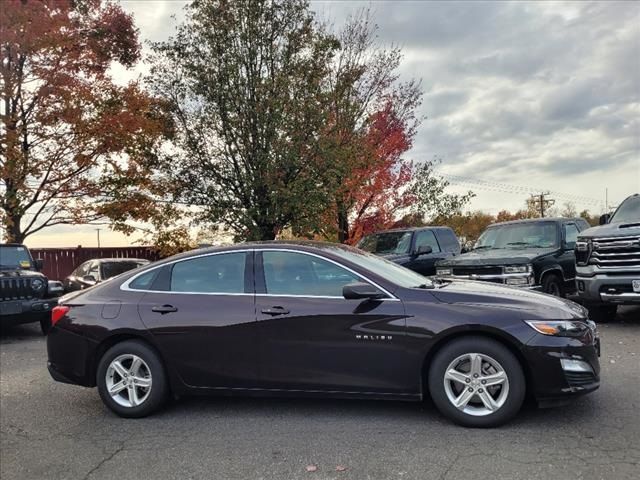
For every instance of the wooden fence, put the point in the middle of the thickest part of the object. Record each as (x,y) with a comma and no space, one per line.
(60,262)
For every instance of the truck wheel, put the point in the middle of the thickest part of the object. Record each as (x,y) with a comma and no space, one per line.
(602,313)
(552,285)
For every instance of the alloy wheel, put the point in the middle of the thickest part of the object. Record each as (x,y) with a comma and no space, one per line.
(128,380)
(476,384)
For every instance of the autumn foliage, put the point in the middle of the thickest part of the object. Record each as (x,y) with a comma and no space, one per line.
(73,145)
(376,191)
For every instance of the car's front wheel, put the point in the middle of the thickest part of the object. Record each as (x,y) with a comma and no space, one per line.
(131,379)
(477,382)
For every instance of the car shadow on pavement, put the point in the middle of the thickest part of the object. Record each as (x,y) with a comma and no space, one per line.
(8,334)
(363,411)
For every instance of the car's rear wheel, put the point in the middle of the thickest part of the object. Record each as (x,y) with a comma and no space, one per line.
(131,379)
(552,285)
(476,382)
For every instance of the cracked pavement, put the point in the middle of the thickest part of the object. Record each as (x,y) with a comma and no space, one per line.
(55,431)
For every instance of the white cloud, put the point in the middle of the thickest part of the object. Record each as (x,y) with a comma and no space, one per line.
(540,94)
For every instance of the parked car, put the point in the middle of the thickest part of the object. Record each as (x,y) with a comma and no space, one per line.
(98,270)
(608,261)
(319,320)
(417,249)
(536,254)
(26,295)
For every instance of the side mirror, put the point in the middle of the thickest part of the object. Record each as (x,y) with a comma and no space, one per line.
(38,264)
(422,250)
(89,279)
(358,290)
(604,219)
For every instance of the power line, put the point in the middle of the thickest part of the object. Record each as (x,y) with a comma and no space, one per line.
(517,189)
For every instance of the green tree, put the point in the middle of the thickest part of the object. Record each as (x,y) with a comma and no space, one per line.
(245,84)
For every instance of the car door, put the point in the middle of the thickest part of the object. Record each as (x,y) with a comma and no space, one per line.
(426,264)
(313,339)
(568,257)
(201,313)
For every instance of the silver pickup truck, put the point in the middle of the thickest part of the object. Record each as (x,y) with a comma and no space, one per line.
(608,261)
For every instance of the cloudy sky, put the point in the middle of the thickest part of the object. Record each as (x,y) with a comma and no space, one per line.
(518,96)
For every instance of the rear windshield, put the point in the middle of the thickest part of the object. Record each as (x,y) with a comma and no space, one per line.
(111,269)
(12,256)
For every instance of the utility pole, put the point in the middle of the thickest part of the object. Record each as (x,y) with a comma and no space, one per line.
(540,203)
(98,230)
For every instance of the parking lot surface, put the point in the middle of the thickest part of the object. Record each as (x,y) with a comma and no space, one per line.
(50,430)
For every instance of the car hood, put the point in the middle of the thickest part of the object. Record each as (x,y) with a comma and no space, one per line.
(16,272)
(497,256)
(612,230)
(531,305)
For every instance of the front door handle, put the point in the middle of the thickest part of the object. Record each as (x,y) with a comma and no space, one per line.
(275,311)
(164,309)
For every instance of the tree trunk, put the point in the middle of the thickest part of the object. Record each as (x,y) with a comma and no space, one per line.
(12,228)
(343,222)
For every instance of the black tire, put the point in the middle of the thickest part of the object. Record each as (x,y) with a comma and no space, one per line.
(552,285)
(159,388)
(45,325)
(490,348)
(602,313)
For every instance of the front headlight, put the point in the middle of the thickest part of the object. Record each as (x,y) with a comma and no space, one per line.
(559,328)
(37,284)
(443,271)
(518,269)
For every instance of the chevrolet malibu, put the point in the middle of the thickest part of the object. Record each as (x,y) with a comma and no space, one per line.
(325,320)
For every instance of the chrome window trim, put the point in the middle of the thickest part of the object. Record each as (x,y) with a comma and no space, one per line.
(125,286)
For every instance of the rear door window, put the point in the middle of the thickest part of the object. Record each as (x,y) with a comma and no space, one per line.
(222,273)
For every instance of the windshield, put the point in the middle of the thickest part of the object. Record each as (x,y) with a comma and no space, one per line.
(112,269)
(387,242)
(519,235)
(14,256)
(628,211)
(391,271)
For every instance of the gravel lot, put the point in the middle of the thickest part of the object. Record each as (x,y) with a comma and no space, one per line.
(50,430)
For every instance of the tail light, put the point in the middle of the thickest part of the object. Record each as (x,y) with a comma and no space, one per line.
(58,312)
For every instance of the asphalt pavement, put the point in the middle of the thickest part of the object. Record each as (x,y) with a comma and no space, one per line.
(53,431)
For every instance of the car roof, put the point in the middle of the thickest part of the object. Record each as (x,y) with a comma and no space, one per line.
(302,245)
(120,259)
(538,220)
(411,229)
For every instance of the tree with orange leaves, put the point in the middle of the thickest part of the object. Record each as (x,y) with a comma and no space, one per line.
(74,146)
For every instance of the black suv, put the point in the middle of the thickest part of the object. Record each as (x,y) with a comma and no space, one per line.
(608,261)
(536,254)
(415,248)
(26,295)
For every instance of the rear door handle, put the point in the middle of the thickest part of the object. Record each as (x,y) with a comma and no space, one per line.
(164,309)
(275,311)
